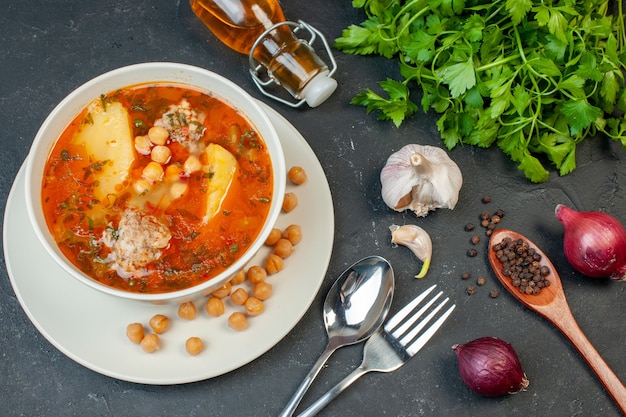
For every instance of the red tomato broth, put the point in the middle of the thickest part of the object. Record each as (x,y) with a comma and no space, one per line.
(196,252)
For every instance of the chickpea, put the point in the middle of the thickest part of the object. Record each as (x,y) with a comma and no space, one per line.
(234,134)
(293,233)
(192,164)
(296,175)
(238,321)
(151,343)
(172,172)
(153,172)
(215,307)
(143,145)
(134,332)
(239,296)
(187,311)
(141,186)
(158,135)
(283,248)
(178,189)
(239,278)
(159,323)
(262,290)
(273,237)
(256,274)
(223,291)
(254,306)
(194,345)
(161,154)
(290,202)
(274,264)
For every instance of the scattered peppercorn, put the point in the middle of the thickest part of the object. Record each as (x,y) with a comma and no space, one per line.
(494,294)
(481,281)
(470,290)
(522,264)
(485,215)
(475,240)
(469,227)
(472,252)
(486,199)
(465,275)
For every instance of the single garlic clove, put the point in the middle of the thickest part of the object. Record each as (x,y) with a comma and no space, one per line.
(417,240)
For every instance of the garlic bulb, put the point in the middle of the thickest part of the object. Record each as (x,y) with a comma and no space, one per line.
(416,239)
(420,178)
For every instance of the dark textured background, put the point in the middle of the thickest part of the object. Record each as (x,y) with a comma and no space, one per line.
(49,48)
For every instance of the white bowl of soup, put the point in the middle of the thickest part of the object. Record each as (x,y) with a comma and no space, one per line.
(155,182)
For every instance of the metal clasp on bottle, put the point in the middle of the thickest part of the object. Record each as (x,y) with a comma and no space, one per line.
(255,67)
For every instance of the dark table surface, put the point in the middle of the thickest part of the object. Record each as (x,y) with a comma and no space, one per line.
(50,48)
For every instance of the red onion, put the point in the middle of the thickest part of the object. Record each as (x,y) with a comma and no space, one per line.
(594,242)
(489,366)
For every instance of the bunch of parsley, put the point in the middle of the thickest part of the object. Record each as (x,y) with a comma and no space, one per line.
(535,77)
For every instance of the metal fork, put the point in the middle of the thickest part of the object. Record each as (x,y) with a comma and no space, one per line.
(391,347)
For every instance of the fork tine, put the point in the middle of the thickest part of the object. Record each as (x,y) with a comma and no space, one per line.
(402,314)
(406,339)
(411,320)
(419,343)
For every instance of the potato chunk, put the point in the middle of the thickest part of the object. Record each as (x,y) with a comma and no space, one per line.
(109,142)
(220,166)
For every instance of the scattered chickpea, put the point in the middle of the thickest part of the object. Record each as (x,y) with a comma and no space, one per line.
(194,345)
(151,343)
(256,274)
(254,306)
(159,323)
(296,175)
(143,145)
(239,297)
(238,321)
(273,237)
(135,332)
(214,307)
(153,172)
(293,233)
(223,291)
(274,264)
(290,202)
(158,135)
(187,311)
(161,154)
(238,278)
(262,290)
(283,248)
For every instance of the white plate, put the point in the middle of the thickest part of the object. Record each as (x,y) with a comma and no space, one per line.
(89,327)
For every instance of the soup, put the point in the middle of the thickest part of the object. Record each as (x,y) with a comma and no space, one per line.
(156,188)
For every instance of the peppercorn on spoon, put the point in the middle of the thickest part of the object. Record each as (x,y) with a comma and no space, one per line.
(551,303)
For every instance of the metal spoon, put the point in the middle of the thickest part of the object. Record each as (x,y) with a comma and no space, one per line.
(552,304)
(355,307)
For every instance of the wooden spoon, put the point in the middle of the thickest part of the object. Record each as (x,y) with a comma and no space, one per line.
(551,304)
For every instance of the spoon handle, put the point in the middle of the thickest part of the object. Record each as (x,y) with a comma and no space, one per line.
(568,326)
(307,381)
(331,394)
